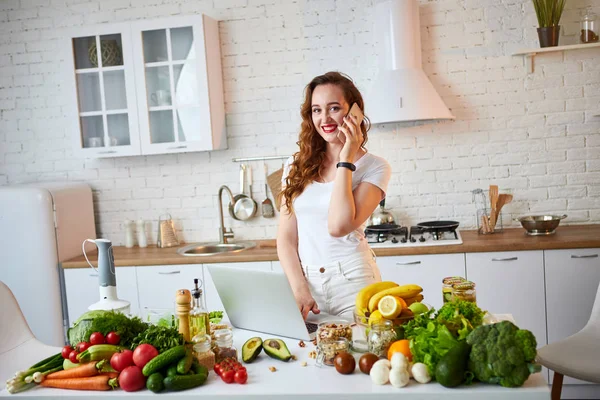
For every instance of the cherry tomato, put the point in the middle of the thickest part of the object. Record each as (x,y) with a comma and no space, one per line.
(217,369)
(73,357)
(241,376)
(228,376)
(97,338)
(113,338)
(82,346)
(66,351)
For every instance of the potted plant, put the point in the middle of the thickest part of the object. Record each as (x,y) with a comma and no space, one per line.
(548,14)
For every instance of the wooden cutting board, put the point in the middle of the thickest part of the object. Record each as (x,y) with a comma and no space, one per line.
(274,182)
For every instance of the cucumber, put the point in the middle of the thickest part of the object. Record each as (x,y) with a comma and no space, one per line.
(172,370)
(183,366)
(162,360)
(183,382)
(155,382)
(198,368)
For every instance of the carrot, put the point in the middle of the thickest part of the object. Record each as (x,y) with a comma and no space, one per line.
(109,374)
(82,371)
(99,382)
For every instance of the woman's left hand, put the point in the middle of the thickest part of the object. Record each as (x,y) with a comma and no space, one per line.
(353,138)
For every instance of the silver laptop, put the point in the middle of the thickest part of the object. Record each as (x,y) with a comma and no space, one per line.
(262,301)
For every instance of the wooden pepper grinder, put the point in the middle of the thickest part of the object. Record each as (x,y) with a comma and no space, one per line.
(183,299)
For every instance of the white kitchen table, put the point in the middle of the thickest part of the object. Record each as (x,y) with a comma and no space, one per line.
(293,381)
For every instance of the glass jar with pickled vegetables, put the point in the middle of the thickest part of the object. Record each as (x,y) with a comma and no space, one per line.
(447,284)
(381,336)
(464,291)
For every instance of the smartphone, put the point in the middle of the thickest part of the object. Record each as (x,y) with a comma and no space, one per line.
(356,112)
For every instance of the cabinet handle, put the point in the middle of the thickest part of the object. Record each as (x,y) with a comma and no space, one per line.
(505,259)
(169,273)
(93,274)
(107,152)
(177,147)
(408,263)
(585,256)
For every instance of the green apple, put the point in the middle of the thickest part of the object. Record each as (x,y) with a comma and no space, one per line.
(418,308)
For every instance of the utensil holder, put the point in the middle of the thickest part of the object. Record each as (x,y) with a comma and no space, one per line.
(483,222)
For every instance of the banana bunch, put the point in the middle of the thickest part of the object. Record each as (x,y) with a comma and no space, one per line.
(404,291)
(363,297)
(368,298)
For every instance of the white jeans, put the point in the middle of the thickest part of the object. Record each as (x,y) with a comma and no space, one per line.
(334,286)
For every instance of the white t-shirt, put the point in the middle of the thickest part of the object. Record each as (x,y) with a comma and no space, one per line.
(315,245)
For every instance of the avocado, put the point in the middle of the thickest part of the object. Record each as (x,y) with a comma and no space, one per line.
(276,348)
(450,370)
(251,349)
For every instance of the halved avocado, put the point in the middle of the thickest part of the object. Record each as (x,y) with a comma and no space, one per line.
(276,348)
(251,349)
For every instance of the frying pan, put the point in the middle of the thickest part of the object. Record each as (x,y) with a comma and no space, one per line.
(439,225)
(242,207)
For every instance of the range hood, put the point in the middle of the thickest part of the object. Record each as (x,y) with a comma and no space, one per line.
(401,91)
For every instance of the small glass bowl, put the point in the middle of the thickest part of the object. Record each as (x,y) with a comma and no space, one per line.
(361,328)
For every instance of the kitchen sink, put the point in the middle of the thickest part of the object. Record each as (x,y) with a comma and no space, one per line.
(211,249)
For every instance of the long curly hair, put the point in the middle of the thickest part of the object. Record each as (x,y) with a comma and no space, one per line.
(308,161)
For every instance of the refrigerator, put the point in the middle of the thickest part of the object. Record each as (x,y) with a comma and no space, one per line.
(41,225)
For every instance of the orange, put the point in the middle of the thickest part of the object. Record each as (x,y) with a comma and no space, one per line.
(400,346)
(402,302)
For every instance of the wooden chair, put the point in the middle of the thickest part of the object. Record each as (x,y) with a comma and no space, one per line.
(577,356)
(19,349)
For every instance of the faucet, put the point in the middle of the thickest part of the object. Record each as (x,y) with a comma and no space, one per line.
(223,233)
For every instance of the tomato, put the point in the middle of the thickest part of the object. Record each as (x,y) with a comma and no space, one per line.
(144,353)
(113,338)
(66,351)
(217,369)
(97,338)
(73,357)
(241,376)
(132,379)
(228,376)
(120,361)
(82,346)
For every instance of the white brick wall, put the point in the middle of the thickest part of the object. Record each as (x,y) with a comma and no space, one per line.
(533,134)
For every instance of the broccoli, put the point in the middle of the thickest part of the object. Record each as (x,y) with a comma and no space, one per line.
(502,353)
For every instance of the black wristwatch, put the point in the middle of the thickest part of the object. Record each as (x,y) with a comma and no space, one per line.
(348,165)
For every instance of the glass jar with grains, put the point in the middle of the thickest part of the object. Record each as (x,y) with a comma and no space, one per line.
(380,337)
(333,330)
(203,352)
(224,345)
(464,291)
(327,350)
(589,27)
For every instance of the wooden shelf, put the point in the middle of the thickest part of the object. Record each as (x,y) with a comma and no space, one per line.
(530,53)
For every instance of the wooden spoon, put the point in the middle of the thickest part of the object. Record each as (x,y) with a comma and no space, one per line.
(493,204)
(503,199)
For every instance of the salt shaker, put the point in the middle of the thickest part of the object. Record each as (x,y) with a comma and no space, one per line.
(141,233)
(129,233)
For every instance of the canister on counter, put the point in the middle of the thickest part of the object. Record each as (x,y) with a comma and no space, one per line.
(464,291)
(447,284)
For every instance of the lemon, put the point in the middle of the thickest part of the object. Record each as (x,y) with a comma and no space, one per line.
(375,317)
(390,306)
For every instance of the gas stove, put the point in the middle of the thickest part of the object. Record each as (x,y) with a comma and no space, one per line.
(413,236)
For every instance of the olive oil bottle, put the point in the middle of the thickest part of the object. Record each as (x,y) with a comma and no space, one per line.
(199,322)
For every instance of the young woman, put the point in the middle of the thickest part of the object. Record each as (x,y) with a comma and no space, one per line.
(330,188)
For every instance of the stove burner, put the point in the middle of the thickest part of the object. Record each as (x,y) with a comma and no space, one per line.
(426,233)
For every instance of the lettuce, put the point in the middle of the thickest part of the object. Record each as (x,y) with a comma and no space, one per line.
(431,343)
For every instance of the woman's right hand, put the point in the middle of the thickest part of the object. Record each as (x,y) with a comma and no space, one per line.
(306,303)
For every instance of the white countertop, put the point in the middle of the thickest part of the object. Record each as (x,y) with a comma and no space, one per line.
(295,381)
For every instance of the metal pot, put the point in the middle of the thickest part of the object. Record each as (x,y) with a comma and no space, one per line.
(382,217)
(540,224)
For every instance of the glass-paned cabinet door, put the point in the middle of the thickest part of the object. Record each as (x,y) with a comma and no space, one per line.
(103,87)
(172,87)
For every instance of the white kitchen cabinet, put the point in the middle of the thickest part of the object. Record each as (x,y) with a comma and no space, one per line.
(572,278)
(511,282)
(426,271)
(158,285)
(213,301)
(147,87)
(82,289)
